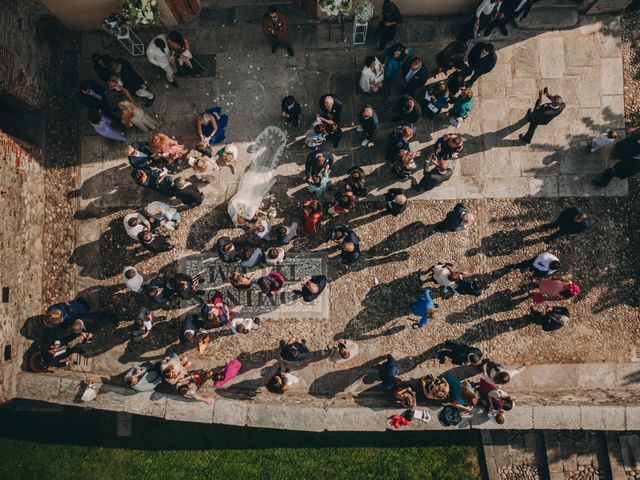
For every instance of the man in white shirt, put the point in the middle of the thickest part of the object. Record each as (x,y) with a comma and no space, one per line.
(134,224)
(241,326)
(544,265)
(159,54)
(133,280)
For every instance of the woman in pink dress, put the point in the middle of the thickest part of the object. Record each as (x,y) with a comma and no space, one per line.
(166,147)
(553,289)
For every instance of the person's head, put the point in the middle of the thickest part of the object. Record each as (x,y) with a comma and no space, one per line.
(488,49)
(356,176)
(281,230)
(179,182)
(397,50)
(319,128)
(500,417)
(367,112)
(431,313)
(240,328)
(85,87)
(416,64)
(370,61)
(260,227)
(400,198)
(289,100)
(293,350)
(581,217)
(501,378)
(153,292)
(141,176)
(474,359)
(443,165)
(131,380)
(227,247)
(246,252)
(273,253)
(442,89)
(409,105)
(161,44)
(507,404)
(78,326)
(328,102)
(468,218)
(147,236)
(273,11)
(556,100)
(320,159)
(176,37)
(455,276)
(407,132)
(131,273)
(316,180)
(612,134)
(312,287)
(53,317)
(343,350)
(554,265)
(126,106)
(265,284)
(189,336)
(348,247)
(467,94)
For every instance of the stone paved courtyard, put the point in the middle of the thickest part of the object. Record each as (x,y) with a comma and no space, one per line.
(513,189)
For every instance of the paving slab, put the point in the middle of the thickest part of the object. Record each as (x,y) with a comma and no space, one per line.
(286,417)
(188,410)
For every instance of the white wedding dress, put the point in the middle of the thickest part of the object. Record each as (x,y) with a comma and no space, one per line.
(260,177)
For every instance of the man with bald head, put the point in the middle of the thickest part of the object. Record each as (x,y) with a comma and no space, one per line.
(460,218)
(542,114)
(317,163)
(350,243)
(439,174)
(396,201)
(311,287)
(330,107)
(368,124)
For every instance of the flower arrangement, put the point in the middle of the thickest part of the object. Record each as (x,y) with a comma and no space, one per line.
(336,8)
(115,24)
(141,12)
(363,11)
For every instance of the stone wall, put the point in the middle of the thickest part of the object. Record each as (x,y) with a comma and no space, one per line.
(23,76)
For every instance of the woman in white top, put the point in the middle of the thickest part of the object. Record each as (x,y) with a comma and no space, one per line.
(483,16)
(372,75)
(134,115)
(168,216)
(262,229)
(134,223)
(132,279)
(242,326)
(343,350)
(604,139)
(274,256)
(442,275)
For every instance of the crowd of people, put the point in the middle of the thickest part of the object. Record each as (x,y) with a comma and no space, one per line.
(160,163)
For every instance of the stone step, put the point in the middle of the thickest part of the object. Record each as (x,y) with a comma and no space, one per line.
(514,455)
(577,455)
(614,451)
(544,17)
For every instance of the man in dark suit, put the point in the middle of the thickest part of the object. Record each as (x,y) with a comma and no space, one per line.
(317,162)
(154,242)
(482,59)
(368,124)
(460,354)
(396,201)
(439,174)
(187,192)
(330,107)
(94,96)
(509,11)
(542,114)
(191,331)
(414,74)
(226,250)
(350,248)
(139,155)
(409,112)
(460,218)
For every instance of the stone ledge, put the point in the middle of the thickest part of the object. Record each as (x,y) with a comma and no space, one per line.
(48,388)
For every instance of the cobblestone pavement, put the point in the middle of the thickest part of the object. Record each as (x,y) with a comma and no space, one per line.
(582,64)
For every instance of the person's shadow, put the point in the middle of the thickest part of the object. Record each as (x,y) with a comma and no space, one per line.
(503,243)
(501,301)
(382,304)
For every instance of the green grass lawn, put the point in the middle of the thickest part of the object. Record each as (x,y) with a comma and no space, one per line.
(77,444)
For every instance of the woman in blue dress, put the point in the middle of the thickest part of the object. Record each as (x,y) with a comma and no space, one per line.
(395,57)
(211,125)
